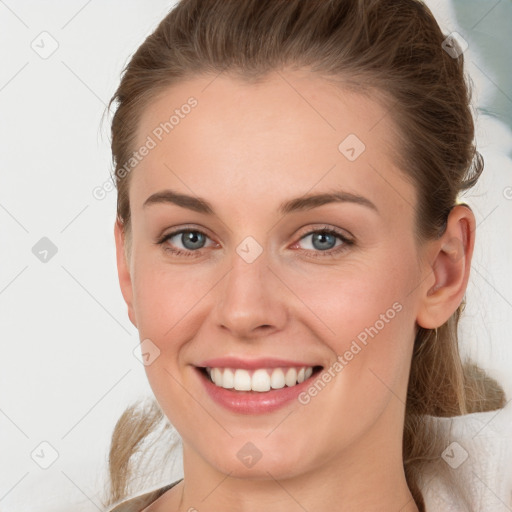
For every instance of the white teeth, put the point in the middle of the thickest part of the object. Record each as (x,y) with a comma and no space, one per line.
(261,380)
(242,381)
(217,376)
(290,378)
(228,379)
(277,379)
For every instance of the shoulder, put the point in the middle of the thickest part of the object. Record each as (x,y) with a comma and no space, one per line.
(138,502)
(477,456)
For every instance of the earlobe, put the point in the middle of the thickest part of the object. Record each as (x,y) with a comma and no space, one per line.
(450,267)
(123,270)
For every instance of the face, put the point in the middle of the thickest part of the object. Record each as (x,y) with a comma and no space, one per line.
(264,278)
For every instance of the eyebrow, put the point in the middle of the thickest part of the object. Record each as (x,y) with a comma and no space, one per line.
(307,202)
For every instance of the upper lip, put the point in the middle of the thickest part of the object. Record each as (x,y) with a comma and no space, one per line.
(251,364)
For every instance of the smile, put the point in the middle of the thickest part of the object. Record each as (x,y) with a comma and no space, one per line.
(260,379)
(255,386)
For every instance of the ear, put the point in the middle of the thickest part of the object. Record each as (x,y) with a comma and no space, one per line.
(123,270)
(450,263)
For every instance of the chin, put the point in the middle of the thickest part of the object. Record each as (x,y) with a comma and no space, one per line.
(258,458)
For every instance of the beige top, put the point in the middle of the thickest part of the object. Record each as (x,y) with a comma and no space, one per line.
(138,503)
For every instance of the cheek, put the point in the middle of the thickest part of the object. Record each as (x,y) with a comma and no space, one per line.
(365,315)
(165,297)
(166,301)
(370,332)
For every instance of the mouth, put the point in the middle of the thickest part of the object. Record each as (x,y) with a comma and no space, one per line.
(258,380)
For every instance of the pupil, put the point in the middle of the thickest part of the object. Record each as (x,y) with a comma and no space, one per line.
(321,237)
(192,237)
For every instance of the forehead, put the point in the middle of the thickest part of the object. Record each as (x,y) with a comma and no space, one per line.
(286,135)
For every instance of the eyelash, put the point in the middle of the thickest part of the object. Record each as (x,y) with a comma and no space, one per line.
(314,254)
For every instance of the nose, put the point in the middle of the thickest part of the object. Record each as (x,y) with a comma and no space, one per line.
(251,301)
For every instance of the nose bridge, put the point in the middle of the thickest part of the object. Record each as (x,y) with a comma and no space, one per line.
(248,298)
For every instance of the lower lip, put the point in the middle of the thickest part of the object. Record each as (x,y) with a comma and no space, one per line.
(253,402)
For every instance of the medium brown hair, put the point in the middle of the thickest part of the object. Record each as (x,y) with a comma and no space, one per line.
(390,49)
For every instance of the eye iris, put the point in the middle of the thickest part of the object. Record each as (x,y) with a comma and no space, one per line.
(321,237)
(192,237)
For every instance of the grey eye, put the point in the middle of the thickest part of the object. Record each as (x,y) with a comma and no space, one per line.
(192,239)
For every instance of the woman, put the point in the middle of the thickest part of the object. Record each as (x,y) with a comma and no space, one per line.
(292,250)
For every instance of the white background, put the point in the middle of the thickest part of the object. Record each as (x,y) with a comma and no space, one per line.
(67,369)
